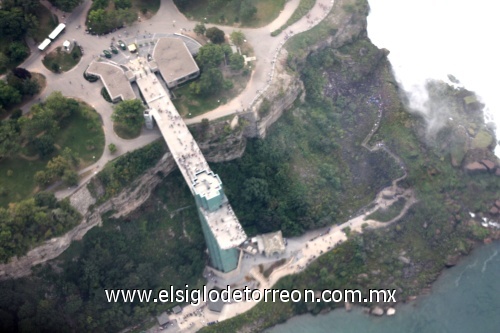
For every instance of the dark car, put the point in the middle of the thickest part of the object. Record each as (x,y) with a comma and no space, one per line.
(122,45)
(107,54)
(114,50)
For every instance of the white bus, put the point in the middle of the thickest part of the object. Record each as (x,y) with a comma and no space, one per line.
(44,44)
(53,35)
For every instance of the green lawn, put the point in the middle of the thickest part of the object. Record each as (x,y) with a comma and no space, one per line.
(83,136)
(47,23)
(191,105)
(267,11)
(20,184)
(66,61)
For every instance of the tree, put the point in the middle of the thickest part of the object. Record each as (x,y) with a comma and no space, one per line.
(211,82)
(66,5)
(112,148)
(247,10)
(12,24)
(44,145)
(4,62)
(236,61)
(21,73)
(17,51)
(210,55)
(30,87)
(70,177)
(123,4)
(9,138)
(200,29)
(238,37)
(129,113)
(215,35)
(8,95)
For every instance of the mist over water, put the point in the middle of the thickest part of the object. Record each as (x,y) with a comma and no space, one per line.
(429,39)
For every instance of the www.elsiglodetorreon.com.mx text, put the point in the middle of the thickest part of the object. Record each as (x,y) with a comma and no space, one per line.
(230,295)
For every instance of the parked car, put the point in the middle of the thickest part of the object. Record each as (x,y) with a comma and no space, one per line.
(114,50)
(122,45)
(107,54)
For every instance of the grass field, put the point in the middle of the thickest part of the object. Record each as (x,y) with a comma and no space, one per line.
(79,133)
(191,105)
(66,61)
(267,11)
(76,135)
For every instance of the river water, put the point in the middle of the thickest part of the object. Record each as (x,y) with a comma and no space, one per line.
(429,39)
(465,298)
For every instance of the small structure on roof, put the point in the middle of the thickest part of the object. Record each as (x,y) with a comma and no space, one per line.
(177,309)
(271,243)
(163,319)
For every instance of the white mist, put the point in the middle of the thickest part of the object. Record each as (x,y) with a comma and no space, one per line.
(429,39)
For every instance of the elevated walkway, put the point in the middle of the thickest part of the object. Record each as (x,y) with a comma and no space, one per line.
(222,229)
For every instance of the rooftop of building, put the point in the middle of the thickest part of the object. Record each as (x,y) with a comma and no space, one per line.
(173,59)
(273,242)
(207,184)
(163,319)
(114,79)
(225,226)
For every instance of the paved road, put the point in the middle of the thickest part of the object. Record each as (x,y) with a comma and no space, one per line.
(167,20)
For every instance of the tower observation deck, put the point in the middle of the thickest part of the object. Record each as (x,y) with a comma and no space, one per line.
(221,228)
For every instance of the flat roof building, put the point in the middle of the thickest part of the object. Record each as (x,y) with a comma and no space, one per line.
(114,79)
(174,61)
(271,243)
(163,319)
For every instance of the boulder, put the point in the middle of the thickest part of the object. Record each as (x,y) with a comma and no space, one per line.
(489,164)
(348,306)
(451,260)
(475,167)
(494,210)
(377,311)
(391,311)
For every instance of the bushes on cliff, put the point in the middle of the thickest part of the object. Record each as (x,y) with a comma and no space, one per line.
(31,221)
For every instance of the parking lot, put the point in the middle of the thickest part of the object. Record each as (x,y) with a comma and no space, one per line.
(145,44)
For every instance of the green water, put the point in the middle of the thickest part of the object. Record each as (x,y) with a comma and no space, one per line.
(465,298)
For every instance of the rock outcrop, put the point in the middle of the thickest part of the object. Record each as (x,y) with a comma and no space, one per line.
(377,311)
(475,167)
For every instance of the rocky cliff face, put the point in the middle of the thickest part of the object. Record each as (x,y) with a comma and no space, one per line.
(280,96)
